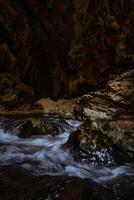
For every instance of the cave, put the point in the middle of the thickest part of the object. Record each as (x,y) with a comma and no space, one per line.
(53,46)
(66,99)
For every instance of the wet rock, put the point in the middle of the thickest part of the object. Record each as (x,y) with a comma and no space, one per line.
(108,120)
(17,183)
(41,126)
(74,140)
(123,187)
(83,190)
(28,126)
(90,146)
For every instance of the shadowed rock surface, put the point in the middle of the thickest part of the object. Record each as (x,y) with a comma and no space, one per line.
(17,183)
(66,48)
(66,148)
(108,126)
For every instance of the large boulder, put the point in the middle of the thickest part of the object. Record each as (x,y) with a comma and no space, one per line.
(108,123)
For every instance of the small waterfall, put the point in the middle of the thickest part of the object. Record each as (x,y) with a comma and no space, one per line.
(44,154)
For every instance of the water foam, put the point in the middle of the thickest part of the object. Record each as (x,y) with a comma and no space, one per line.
(45,155)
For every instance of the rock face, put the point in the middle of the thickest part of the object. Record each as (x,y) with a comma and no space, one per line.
(63,48)
(17,183)
(15,38)
(13,93)
(108,123)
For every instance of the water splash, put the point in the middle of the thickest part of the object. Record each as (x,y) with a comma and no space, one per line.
(45,155)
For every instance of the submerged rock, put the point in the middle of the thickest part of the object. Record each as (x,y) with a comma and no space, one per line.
(17,183)
(36,125)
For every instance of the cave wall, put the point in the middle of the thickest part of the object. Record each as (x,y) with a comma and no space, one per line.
(65,48)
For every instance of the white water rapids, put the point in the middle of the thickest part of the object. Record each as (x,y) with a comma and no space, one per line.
(44,155)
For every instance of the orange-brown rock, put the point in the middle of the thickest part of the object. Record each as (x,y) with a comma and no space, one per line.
(108,119)
(65,48)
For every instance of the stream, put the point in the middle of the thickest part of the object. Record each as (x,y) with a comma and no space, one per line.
(44,154)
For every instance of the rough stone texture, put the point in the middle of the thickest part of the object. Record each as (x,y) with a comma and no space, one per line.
(13,93)
(61,107)
(108,121)
(18,184)
(34,125)
(63,48)
(15,38)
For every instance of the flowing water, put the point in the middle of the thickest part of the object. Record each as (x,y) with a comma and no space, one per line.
(44,154)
